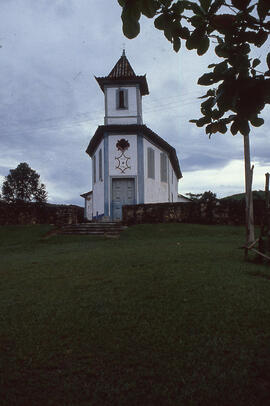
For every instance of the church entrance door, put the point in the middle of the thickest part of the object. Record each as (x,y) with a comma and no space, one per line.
(123,193)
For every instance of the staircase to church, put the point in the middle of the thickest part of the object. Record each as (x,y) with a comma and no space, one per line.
(102,228)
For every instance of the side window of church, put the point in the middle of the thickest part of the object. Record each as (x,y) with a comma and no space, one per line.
(94,169)
(163,167)
(100,164)
(151,163)
(122,99)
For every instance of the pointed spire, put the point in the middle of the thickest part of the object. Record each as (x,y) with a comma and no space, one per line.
(123,73)
(122,68)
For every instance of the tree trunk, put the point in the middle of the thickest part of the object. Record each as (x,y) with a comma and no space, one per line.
(267,210)
(249,198)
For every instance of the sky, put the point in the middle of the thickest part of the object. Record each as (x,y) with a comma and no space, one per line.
(51,104)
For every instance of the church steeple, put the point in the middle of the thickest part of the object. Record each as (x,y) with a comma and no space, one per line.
(122,68)
(123,91)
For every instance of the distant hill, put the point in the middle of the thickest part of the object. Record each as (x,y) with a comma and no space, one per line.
(257,195)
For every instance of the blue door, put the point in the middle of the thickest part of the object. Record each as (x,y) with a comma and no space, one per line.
(123,193)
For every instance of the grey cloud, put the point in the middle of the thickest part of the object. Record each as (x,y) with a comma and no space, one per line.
(51,104)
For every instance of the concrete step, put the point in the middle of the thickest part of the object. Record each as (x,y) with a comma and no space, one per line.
(108,228)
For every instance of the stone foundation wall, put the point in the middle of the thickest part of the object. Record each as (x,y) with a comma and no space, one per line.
(35,213)
(220,212)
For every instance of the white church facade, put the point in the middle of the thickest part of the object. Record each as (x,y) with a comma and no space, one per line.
(130,163)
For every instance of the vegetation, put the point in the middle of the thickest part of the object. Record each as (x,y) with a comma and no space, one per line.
(22,184)
(257,195)
(203,197)
(236,27)
(166,315)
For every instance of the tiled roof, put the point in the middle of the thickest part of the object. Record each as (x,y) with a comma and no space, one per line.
(134,129)
(122,73)
(122,69)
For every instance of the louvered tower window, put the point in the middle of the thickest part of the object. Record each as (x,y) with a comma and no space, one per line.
(122,99)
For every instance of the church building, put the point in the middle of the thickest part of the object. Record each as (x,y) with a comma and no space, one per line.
(130,163)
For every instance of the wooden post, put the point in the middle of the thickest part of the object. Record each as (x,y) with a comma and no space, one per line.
(250,237)
(267,191)
(267,209)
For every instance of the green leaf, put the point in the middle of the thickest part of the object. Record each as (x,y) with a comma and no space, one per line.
(243,126)
(197,21)
(203,45)
(194,40)
(216,114)
(206,79)
(245,49)
(122,2)
(160,22)
(166,3)
(221,67)
(234,127)
(240,4)
(257,121)
(149,8)
(261,37)
(203,120)
(263,7)
(222,51)
(184,33)
(210,92)
(216,6)
(131,28)
(255,62)
(205,4)
(176,44)
(208,104)
(168,32)
(197,9)
(222,127)
(130,16)
(178,8)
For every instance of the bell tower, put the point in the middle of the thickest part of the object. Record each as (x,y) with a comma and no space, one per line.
(123,91)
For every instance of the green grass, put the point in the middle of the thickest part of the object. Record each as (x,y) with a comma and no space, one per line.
(165,315)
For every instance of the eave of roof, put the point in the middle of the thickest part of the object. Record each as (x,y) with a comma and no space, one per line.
(134,129)
(122,73)
(140,80)
(86,194)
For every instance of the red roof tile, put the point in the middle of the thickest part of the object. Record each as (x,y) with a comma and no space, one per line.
(123,73)
(122,69)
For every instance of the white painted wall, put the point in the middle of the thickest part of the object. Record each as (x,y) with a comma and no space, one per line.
(131,153)
(121,116)
(89,207)
(173,185)
(156,191)
(121,120)
(98,186)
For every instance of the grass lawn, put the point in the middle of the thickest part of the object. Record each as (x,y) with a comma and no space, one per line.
(167,314)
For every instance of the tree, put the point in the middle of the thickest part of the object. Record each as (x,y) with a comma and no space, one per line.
(239,88)
(205,197)
(22,184)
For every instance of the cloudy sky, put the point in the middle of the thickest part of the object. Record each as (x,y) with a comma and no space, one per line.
(51,103)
